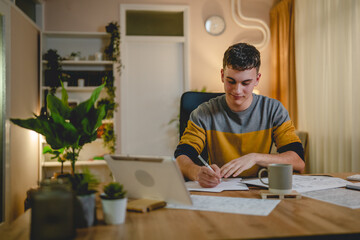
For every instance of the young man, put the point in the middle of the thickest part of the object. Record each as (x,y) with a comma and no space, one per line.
(238,127)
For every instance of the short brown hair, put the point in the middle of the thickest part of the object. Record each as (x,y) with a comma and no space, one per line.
(242,56)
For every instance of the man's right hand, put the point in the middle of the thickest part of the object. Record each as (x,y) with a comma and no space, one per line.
(208,178)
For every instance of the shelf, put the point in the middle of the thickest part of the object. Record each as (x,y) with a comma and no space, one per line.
(83,62)
(78,163)
(74,89)
(76,34)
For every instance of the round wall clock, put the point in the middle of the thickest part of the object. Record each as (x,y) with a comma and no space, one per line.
(215,25)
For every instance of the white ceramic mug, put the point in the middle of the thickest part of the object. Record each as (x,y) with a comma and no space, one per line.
(280,178)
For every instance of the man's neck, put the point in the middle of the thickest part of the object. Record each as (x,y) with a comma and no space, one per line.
(239,108)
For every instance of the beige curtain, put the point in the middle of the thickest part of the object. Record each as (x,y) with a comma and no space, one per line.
(283,78)
(328,80)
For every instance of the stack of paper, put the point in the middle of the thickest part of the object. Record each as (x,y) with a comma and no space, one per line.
(226,184)
(304,184)
(260,207)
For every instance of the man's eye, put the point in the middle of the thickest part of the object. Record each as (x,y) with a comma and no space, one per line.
(232,82)
(246,83)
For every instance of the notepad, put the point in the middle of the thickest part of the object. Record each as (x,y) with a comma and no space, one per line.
(227,184)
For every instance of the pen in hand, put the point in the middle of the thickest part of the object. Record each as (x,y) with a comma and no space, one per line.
(205,163)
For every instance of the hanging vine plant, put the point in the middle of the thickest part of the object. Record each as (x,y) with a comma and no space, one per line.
(112,52)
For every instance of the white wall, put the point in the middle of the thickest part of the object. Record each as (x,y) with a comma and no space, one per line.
(206,51)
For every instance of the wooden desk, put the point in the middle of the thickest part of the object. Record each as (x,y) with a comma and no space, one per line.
(292,218)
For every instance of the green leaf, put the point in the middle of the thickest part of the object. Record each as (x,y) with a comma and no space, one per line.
(34,124)
(64,95)
(58,110)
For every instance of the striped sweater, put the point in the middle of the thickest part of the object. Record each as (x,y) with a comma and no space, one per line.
(230,135)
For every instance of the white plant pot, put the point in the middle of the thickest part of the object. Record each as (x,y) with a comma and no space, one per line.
(114,210)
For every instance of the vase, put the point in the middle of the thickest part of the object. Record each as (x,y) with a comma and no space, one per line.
(114,210)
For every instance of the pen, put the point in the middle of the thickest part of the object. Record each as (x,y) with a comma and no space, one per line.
(205,163)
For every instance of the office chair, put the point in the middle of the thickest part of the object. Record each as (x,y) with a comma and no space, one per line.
(188,102)
(304,139)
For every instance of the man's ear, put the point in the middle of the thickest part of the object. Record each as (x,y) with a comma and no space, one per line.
(222,75)
(258,79)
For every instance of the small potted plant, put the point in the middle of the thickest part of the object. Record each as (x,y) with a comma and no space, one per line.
(75,56)
(114,202)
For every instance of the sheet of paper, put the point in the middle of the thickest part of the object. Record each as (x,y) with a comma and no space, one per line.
(338,196)
(303,183)
(226,184)
(247,206)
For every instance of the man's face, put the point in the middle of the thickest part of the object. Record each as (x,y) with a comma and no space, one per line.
(238,86)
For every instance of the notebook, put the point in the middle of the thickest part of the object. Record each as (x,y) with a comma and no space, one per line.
(149,177)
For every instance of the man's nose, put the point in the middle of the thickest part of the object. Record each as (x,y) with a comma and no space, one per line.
(238,88)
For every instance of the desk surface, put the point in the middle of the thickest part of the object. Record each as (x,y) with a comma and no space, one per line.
(291,218)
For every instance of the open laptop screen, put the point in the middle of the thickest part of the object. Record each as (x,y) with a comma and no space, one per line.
(149,177)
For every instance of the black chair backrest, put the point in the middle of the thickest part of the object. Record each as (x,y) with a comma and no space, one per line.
(189,101)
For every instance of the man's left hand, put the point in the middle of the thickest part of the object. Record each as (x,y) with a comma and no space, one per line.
(238,165)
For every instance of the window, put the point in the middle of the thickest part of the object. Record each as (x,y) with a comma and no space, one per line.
(154,23)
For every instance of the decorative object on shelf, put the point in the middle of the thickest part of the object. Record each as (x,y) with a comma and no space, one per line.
(114,202)
(81,82)
(73,103)
(65,127)
(75,56)
(215,25)
(98,56)
(54,69)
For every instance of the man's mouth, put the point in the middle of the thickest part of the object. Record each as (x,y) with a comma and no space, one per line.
(236,96)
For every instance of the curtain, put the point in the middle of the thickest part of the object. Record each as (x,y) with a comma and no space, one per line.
(283,77)
(328,79)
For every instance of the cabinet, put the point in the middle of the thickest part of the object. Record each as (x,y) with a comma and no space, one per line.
(91,67)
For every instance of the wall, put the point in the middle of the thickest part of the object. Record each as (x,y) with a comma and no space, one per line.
(24,150)
(206,51)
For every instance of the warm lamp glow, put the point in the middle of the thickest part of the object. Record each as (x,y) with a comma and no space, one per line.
(256,91)
(34,136)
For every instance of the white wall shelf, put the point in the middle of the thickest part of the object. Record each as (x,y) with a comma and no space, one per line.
(83,62)
(64,34)
(73,89)
(88,44)
(78,163)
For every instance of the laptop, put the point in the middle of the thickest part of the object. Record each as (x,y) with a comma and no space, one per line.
(149,177)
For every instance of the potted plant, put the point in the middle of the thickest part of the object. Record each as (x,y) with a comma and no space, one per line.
(66,127)
(66,131)
(53,69)
(114,202)
(75,55)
